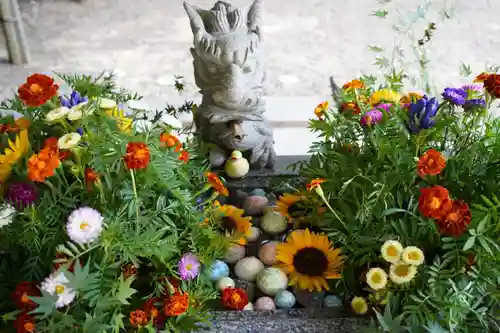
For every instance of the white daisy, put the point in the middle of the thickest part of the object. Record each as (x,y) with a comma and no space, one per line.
(391,251)
(376,278)
(106,103)
(171,121)
(75,114)
(7,213)
(84,225)
(400,273)
(57,284)
(412,255)
(57,114)
(137,105)
(68,141)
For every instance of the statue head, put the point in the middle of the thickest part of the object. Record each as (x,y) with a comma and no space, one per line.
(227,55)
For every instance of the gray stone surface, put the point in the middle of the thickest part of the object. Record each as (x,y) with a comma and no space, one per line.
(229,70)
(307,41)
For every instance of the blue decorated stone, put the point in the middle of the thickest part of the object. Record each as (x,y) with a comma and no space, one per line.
(332,301)
(284,300)
(258,192)
(218,270)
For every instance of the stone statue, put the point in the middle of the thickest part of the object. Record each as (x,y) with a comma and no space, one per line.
(229,71)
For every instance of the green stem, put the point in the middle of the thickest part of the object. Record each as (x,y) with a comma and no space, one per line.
(132,176)
(322,196)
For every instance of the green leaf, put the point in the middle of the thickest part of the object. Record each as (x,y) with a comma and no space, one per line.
(118,323)
(465,70)
(374,48)
(482,224)
(485,245)
(79,279)
(124,291)
(487,201)
(46,304)
(380,13)
(470,243)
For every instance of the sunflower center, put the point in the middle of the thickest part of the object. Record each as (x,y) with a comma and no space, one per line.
(310,261)
(59,289)
(402,270)
(228,224)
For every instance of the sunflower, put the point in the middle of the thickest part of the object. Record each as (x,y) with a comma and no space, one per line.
(13,153)
(234,224)
(384,95)
(309,260)
(287,205)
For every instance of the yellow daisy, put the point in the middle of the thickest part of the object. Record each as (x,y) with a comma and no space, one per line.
(359,305)
(410,98)
(233,223)
(384,95)
(123,122)
(412,255)
(401,273)
(391,251)
(13,153)
(288,204)
(309,260)
(376,278)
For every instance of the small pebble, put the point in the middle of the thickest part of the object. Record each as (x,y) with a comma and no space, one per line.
(225,282)
(253,234)
(248,268)
(332,301)
(218,270)
(253,205)
(267,253)
(271,281)
(271,208)
(258,192)
(284,299)
(234,253)
(248,307)
(274,223)
(264,304)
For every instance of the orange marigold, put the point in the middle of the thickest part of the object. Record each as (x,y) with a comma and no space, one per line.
(138,318)
(430,163)
(410,98)
(434,201)
(315,183)
(350,107)
(492,85)
(24,323)
(184,156)
(91,176)
(170,141)
(176,304)
(456,220)
(37,90)
(129,270)
(137,155)
(481,77)
(42,165)
(215,182)
(151,309)
(354,84)
(50,147)
(21,295)
(320,110)
(234,298)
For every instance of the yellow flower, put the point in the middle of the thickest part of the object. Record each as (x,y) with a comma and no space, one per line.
(401,273)
(410,98)
(384,95)
(287,205)
(412,255)
(309,259)
(391,251)
(123,122)
(233,223)
(359,305)
(376,278)
(320,110)
(13,153)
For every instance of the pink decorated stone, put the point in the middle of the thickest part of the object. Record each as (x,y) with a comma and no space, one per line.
(264,304)
(267,253)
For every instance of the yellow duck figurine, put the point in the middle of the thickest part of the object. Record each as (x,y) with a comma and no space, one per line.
(236,166)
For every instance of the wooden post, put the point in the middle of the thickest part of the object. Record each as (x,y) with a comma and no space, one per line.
(13,28)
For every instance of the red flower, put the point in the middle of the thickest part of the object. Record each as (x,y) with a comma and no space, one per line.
(315,183)
(37,90)
(234,298)
(24,323)
(492,85)
(455,222)
(176,304)
(430,163)
(138,318)
(22,293)
(151,310)
(184,156)
(137,156)
(51,148)
(90,177)
(434,201)
(170,141)
(350,107)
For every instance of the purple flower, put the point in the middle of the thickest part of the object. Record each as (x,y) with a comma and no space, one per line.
(73,100)
(474,103)
(371,117)
(22,194)
(189,267)
(421,114)
(385,107)
(79,130)
(472,87)
(456,96)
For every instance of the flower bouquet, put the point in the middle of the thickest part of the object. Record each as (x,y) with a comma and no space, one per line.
(100,217)
(410,184)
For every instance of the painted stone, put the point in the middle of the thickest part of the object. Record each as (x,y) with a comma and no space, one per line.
(225,282)
(218,270)
(274,223)
(253,205)
(332,301)
(258,192)
(285,299)
(271,281)
(248,268)
(264,304)
(267,253)
(270,208)
(234,253)
(248,307)
(254,234)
